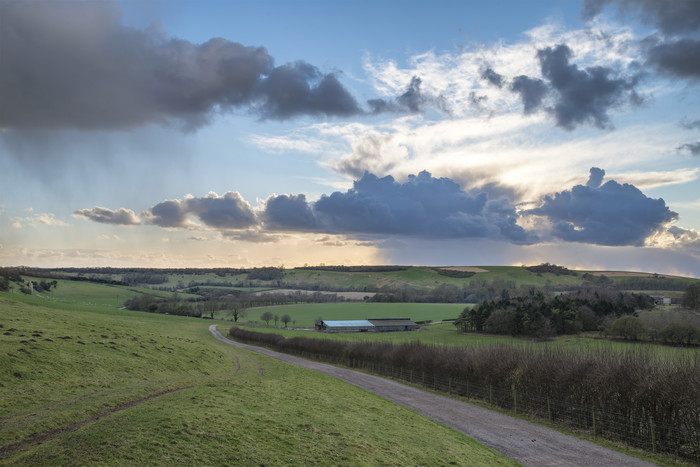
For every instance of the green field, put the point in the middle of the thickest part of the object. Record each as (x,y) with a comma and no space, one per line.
(88,294)
(445,333)
(92,384)
(306,314)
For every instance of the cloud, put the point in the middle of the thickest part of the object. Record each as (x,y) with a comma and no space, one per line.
(229,211)
(300,88)
(690,125)
(678,58)
(42,219)
(531,90)
(412,101)
(107,216)
(609,214)
(694,148)
(422,206)
(596,177)
(669,16)
(289,212)
(492,77)
(50,219)
(71,64)
(582,95)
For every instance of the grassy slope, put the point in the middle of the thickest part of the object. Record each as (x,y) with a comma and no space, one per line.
(228,405)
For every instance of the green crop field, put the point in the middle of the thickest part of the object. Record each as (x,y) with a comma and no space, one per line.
(305,315)
(86,384)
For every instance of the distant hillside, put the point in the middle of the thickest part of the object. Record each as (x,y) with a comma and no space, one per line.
(451,283)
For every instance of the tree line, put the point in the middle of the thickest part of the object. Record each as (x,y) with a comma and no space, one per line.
(539,315)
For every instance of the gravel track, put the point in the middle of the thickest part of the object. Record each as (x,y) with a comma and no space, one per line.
(525,442)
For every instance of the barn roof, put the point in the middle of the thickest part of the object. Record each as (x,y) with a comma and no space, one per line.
(392,322)
(348,323)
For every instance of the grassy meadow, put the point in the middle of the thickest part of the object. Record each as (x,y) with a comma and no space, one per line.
(86,384)
(305,315)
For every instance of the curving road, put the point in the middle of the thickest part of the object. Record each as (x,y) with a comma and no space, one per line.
(527,443)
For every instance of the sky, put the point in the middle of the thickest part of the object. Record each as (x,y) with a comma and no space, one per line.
(154,133)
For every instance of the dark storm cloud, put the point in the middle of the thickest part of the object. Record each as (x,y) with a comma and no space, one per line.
(493,77)
(694,148)
(229,211)
(532,91)
(289,212)
(674,55)
(300,88)
(73,65)
(595,178)
(411,101)
(582,95)
(679,58)
(107,216)
(422,206)
(609,214)
(670,16)
(577,95)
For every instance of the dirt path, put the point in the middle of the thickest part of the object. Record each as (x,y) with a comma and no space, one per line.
(527,443)
(43,437)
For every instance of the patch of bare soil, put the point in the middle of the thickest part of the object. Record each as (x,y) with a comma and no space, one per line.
(465,269)
(624,274)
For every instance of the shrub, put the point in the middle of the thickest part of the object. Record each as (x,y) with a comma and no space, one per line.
(628,327)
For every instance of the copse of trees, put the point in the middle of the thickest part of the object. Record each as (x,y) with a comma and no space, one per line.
(171,306)
(545,268)
(539,315)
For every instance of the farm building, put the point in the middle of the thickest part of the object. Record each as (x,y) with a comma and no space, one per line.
(368,325)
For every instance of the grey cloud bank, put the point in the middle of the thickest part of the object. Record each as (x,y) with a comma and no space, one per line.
(73,65)
(424,207)
(610,214)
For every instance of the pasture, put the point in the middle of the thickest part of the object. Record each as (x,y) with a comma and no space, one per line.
(305,315)
(85,385)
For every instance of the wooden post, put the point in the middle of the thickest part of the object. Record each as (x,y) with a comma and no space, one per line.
(653,434)
(593,410)
(515,399)
(490,394)
(549,410)
(449,386)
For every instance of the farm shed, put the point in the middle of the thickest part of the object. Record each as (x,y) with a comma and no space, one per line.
(368,325)
(393,324)
(357,325)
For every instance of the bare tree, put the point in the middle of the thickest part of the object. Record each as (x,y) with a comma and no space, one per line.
(286,319)
(238,313)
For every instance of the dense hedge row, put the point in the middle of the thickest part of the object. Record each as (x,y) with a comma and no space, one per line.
(636,394)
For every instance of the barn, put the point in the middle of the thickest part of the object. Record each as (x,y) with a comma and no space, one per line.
(368,325)
(393,324)
(354,325)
